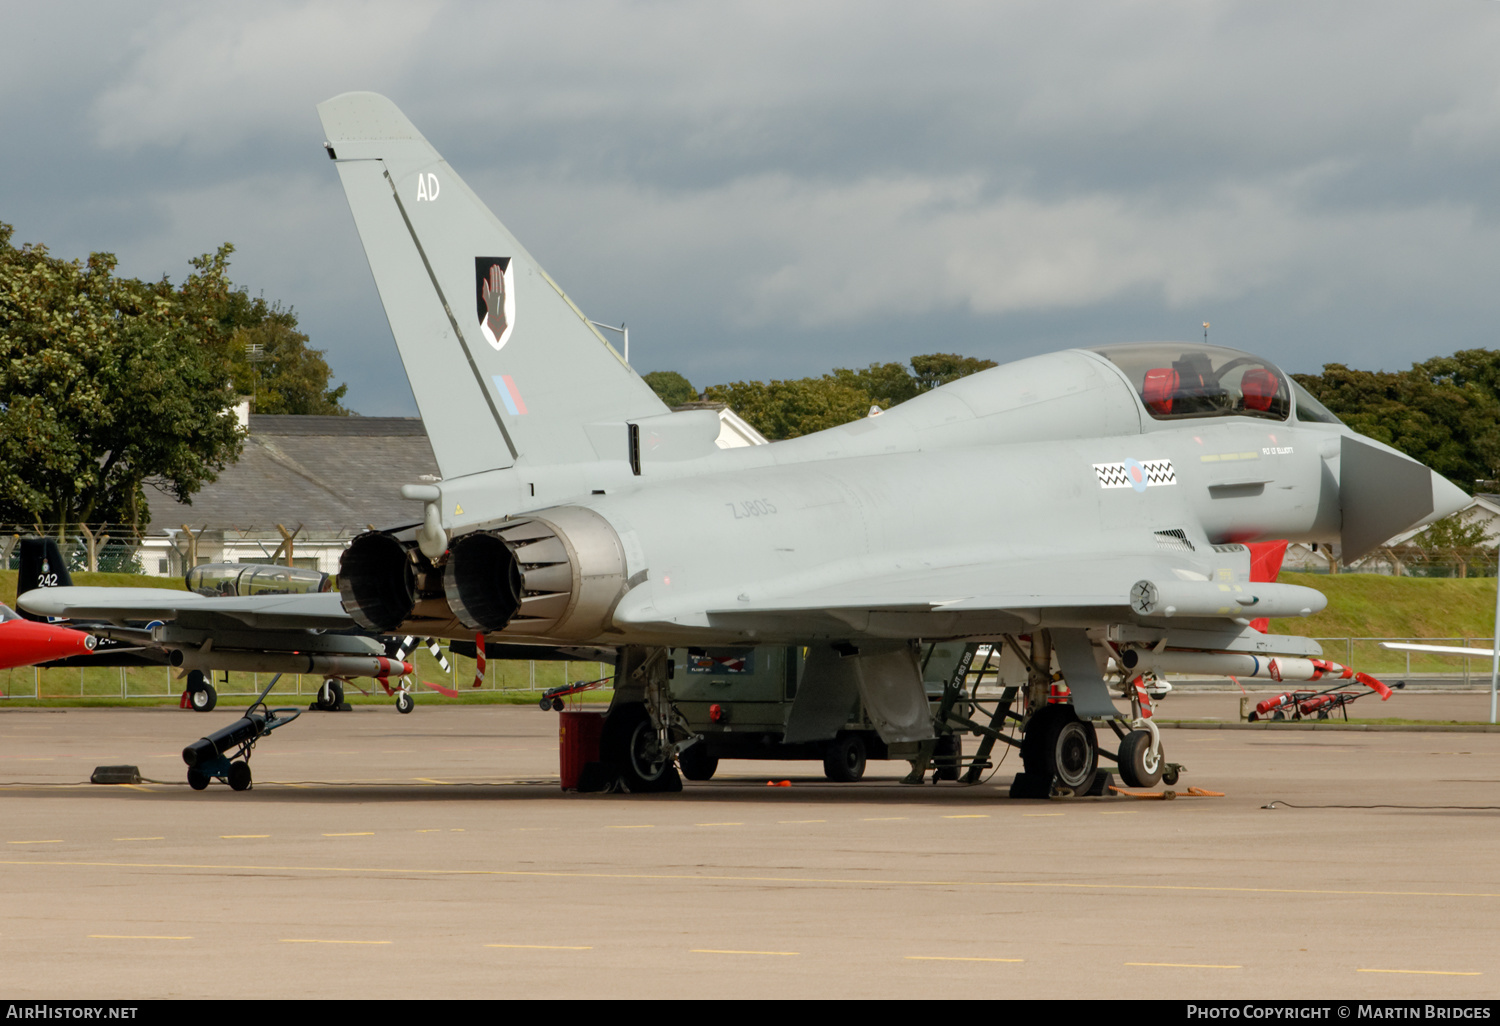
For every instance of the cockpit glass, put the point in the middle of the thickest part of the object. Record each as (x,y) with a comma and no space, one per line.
(8,614)
(1177,381)
(1309,409)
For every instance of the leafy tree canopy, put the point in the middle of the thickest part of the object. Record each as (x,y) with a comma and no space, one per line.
(108,381)
(670,387)
(271,361)
(1444,412)
(787,409)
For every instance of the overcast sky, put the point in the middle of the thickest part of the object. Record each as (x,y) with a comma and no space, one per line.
(772,189)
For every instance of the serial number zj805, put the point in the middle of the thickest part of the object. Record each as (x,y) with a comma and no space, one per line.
(747,508)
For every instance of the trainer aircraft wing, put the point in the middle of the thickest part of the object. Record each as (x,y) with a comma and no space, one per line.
(1400,646)
(124,606)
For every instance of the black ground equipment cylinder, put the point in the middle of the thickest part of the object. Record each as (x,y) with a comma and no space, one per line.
(207,749)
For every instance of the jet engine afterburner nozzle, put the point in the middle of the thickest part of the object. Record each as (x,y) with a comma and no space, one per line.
(376,581)
(556,573)
(483,581)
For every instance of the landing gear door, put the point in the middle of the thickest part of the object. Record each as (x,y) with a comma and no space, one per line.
(1075,657)
(826,697)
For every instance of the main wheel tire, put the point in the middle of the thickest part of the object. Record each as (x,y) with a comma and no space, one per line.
(1059,745)
(629,744)
(197,779)
(204,699)
(844,759)
(697,764)
(404,702)
(239,775)
(1137,766)
(950,749)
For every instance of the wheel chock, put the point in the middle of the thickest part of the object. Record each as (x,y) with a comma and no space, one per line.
(1161,796)
(186,701)
(778,783)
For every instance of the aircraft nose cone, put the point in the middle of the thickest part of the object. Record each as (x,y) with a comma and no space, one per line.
(1447,497)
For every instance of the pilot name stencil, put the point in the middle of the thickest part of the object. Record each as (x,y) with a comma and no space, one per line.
(1137,474)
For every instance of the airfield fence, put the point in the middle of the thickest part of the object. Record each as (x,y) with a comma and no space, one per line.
(502,676)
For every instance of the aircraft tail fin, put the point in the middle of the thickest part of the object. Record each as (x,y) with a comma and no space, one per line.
(42,566)
(504,366)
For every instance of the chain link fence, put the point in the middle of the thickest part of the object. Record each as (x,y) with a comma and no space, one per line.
(502,676)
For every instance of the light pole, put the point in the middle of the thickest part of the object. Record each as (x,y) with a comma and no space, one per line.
(624,331)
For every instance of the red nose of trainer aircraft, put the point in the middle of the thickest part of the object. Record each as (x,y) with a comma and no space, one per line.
(25,643)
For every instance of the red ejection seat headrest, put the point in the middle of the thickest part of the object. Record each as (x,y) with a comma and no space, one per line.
(1158,388)
(1259,388)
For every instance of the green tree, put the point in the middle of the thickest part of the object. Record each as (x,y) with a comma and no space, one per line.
(1444,412)
(271,361)
(941,368)
(670,387)
(106,382)
(884,384)
(786,409)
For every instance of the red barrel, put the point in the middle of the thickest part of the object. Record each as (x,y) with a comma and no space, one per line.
(577,743)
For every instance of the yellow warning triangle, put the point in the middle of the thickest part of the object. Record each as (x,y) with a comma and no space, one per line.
(458,510)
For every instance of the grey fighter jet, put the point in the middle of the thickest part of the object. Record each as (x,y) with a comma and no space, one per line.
(1088,510)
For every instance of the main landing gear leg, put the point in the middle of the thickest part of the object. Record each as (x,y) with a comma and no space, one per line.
(636,745)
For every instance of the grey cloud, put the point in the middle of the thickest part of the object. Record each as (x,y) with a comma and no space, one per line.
(775,188)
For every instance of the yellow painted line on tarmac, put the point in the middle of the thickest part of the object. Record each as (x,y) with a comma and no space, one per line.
(1418,972)
(1183,965)
(544,947)
(34,842)
(722,951)
(302,940)
(954,958)
(355,833)
(132,936)
(968,816)
(455,830)
(431,830)
(819,881)
(429,780)
(137,787)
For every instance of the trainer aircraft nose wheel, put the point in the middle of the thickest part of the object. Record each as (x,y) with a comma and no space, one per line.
(404,702)
(200,692)
(330,695)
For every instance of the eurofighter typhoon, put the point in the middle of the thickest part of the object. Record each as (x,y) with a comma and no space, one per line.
(1092,512)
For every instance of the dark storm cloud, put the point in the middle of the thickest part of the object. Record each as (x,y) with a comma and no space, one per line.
(769,189)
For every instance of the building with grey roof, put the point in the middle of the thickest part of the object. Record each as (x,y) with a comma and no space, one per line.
(317,480)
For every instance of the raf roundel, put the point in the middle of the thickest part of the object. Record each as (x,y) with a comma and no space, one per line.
(1136,474)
